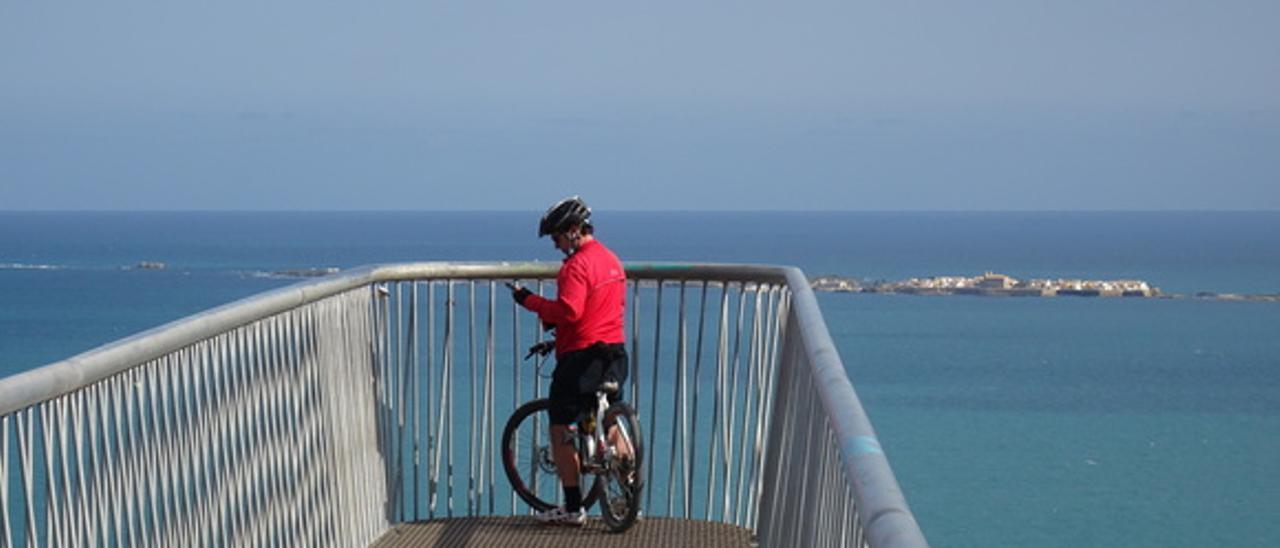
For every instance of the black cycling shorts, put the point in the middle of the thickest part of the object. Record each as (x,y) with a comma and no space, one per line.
(577,376)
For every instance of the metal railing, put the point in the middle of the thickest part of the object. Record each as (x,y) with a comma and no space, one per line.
(323,412)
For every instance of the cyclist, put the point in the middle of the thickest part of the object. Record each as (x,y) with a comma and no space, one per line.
(587,315)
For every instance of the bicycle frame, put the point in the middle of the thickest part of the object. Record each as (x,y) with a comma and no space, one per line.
(591,460)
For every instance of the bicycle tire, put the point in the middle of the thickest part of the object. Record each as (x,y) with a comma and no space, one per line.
(623,482)
(526,443)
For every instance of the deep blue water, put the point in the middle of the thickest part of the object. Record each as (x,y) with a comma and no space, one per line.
(1010,422)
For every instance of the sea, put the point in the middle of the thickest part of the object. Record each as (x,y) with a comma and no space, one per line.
(1008,421)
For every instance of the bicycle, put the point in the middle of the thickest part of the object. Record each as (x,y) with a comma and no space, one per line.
(617,483)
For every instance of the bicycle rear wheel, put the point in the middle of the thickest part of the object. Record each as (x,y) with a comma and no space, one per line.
(623,482)
(528,461)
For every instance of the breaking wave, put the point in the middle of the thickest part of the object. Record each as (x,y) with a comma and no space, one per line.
(28,266)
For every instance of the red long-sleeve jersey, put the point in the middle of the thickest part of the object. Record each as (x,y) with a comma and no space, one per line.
(590,302)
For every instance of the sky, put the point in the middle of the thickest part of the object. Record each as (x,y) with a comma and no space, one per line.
(658,105)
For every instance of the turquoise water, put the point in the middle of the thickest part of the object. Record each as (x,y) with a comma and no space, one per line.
(1009,422)
(1066,422)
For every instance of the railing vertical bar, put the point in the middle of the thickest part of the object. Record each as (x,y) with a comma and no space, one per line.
(163,500)
(778,305)
(100,502)
(473,416)
(691,443)
(433,474)
(299,462)
(384,357)
(110,476)
(753,352)
(311,518)
(294,426)
(635,345)
(292,435)
(449,337)
(224,514)
(49,430)
(774,528)
(27,465)
(487,442)
(276,416)
(65,452)
(732,415)
(804,505)
(246,407)
(156,443)
(415,367)
(400,384)
(720,401)
(121,477)
(376,493)
(330,488)
(335,327)
(677,425)
(196,385)
(62,514)
(219,524)
(269,495)
(186,451)
(765,388)
(277,428)
(537,391)
(515,381)
(271,444)
(329,350)
(6,526)
(653,388)
(265,417)
(238,433)
(245,432)
(181,450)
(129,456)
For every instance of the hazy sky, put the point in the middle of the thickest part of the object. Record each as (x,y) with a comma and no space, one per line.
(1016,104)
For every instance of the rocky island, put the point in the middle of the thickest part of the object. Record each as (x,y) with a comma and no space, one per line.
(1000,285)
(991,284)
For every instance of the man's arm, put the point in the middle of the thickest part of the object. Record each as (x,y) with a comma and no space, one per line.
(571,298)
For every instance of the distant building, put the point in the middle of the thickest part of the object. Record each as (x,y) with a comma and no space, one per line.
(996,281)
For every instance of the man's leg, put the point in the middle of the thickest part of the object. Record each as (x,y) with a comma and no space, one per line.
(567,466)
(619,443)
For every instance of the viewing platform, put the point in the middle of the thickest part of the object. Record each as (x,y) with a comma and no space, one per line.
(524,532)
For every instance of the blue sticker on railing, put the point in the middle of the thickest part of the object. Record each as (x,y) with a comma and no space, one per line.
(864,445)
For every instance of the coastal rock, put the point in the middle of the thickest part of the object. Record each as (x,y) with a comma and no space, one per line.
(306,272)
(991,284)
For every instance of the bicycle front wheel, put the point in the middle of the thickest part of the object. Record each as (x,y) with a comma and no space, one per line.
(528,460)
(623,479)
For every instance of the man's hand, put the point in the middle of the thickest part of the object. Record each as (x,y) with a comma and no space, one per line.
(519,293)
(542,349)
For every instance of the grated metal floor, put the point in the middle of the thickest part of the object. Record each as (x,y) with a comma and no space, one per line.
(524,532)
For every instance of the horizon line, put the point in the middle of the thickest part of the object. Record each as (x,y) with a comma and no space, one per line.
(638,210)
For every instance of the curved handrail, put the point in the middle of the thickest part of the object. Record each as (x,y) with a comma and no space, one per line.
(50,381)
(882,509)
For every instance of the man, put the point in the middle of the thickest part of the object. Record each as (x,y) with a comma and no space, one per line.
(587,314)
